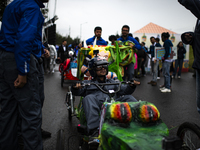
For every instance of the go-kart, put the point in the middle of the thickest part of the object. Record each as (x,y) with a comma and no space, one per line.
(123,125)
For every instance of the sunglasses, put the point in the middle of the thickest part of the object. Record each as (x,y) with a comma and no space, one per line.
(101,67)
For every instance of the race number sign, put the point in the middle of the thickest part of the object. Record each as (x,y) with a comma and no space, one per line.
(160,52)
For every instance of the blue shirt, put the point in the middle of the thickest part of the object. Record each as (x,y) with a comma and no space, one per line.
(144,49)
(167,45)
(129,38)
(101,41)
(21,31)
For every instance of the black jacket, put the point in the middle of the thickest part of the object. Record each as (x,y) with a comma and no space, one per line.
(60,53)
(194,7)
(181,52)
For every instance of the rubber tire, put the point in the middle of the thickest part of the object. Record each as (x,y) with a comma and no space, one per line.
(69,110)
(188,126)
(62,78)
(84,146)
(60,145)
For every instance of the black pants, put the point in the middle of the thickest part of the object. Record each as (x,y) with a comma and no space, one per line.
(23,103)
(92,106)
(129,71)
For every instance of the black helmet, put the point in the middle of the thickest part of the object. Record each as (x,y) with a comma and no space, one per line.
(95,62)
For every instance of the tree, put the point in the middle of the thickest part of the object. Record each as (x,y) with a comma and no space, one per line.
(60,39)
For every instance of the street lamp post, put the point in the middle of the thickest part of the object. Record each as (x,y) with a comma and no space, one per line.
(81,29)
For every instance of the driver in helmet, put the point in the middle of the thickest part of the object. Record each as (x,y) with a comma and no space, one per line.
(94,98)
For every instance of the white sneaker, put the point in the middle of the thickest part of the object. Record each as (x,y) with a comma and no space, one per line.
(165,90)
(179,77)
(53,71)
(162,88)
(172,77)
(158,78)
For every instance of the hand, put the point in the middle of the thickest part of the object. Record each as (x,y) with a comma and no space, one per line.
(90,78)
(46,54)
(163,59)
(136,82)
(20,81)
(78,86)
(131,44)
(83,69)
(155,60)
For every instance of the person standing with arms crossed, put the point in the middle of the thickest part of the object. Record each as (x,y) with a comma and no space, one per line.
(20,52)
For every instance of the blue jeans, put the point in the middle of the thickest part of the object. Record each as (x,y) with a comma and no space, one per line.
(178,62)
(198,89)
(166,73)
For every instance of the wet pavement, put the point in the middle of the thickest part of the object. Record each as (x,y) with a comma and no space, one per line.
(175,107)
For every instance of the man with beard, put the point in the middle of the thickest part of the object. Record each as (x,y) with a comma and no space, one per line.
(97,34)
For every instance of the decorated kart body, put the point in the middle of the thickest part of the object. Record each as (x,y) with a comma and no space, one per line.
(128,126)
(138,127)
(118,56)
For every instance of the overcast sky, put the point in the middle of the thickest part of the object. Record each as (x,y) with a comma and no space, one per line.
(111,15)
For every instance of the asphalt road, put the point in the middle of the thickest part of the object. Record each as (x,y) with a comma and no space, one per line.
(175,107)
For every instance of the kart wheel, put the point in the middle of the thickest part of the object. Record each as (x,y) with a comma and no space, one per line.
(60,145)
(62,78)
(84,146)
(69,108)
(190,135)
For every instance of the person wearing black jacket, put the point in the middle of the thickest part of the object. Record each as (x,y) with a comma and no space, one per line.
(94,98)
(63,51)
(179,61)
(193,38)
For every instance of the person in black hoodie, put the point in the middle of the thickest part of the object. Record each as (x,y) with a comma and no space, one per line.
(179,61)
(193,38)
